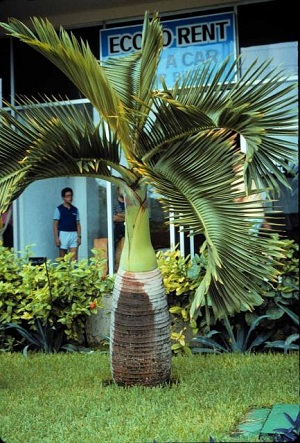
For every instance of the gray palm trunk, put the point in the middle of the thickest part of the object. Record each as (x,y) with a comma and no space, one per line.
(140,348)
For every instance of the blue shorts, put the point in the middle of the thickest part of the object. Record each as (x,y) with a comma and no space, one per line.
(68,239)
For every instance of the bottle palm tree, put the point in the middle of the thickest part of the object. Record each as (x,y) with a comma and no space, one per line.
(184,143)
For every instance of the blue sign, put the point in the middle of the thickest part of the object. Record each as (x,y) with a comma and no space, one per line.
(188,43)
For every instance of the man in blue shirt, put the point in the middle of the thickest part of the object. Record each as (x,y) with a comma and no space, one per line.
(66,225)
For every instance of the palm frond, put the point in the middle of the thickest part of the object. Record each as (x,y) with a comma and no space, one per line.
(112,92)
(54,139)
(258,106)
(76,60)
(122,73)
(169,123)
(195,180)
(11,186)
(134,75)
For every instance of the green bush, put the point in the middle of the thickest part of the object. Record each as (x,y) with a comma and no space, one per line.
(59,294)
(271,320)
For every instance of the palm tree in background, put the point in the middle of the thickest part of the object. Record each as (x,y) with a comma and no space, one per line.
(184,142)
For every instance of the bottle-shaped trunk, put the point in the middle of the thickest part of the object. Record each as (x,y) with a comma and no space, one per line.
(140,343)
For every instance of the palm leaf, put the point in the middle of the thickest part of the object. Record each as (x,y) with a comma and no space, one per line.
(10,188)
(255,107)
(134,75)
(202,199)
(77,62)
(53,139)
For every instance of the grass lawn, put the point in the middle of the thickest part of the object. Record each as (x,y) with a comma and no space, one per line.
(65,398)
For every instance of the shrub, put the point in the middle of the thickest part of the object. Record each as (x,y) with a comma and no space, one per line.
(181,277)
(59,295)
(269,321)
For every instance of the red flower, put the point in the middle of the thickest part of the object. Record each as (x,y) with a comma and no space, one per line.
(92,305)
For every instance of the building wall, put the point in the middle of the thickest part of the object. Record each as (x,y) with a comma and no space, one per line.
(78,13)
(33,215)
